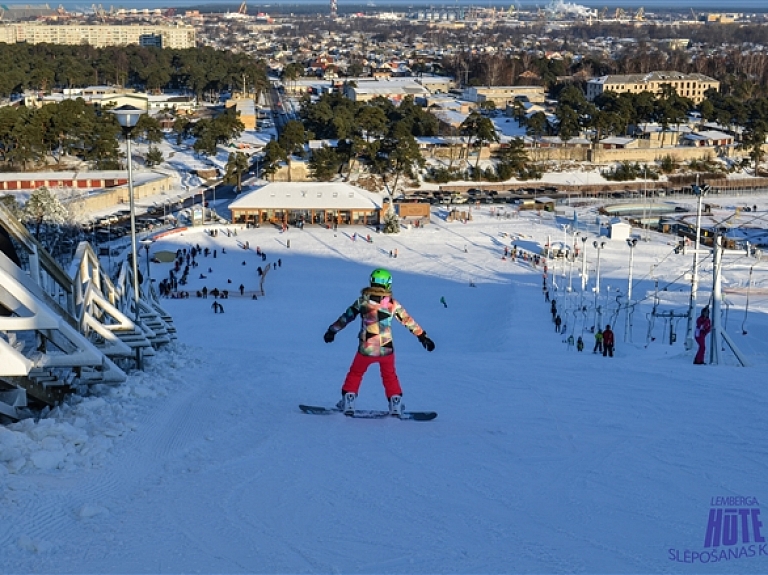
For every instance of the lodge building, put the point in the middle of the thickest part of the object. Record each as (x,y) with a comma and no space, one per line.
(323,203)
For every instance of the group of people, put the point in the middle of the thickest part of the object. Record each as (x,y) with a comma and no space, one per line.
(604,338)
(604,341)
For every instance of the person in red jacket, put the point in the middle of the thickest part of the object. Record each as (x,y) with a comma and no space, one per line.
(703,327)
(608,341)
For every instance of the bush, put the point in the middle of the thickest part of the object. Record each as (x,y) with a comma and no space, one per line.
(443,175)
(668,164)
(531,172)
(626,171)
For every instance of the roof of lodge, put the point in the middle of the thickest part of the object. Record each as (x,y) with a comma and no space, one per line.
(308,196)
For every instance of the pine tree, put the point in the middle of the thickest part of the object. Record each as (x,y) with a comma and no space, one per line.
(44,207)
(391,223)
(11,205)
(237,163)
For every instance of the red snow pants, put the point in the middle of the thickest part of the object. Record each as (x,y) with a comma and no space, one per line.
(360,365)
(702,341)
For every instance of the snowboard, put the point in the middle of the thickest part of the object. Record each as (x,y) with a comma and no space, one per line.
(370,413)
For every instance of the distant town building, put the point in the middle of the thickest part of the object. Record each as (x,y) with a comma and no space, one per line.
(14,12)
(395,90)
(246,110)
(99,35)
(690,86)
(503,95)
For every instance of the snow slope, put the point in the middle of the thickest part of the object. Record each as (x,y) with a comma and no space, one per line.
(542,459)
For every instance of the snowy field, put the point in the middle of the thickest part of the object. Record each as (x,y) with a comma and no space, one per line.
(542,459)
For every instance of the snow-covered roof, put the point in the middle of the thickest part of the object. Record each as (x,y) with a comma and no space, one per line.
(431,140)
(138,176)
(309,196)
(317,144)
(617,141)
(709,135)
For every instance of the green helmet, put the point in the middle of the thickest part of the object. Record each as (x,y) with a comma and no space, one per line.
(382,278)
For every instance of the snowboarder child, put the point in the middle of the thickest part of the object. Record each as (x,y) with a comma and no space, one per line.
(598,342)
(376,307)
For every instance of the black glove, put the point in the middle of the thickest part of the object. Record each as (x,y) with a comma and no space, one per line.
(428,344)
(329,335)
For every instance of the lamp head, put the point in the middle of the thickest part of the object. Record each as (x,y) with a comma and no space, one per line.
(127,116)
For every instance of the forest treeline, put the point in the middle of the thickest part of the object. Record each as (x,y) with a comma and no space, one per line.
(195,70)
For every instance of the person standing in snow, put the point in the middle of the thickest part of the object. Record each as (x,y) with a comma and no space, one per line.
(376,307)
(598,342)
(608,341)
(703,327)
(442,301)
(580,344)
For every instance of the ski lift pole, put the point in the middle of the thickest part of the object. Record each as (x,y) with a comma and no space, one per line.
(631,243)
(717,298)
(746,307)
(695,271)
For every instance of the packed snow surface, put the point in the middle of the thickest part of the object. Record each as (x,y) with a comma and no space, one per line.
(542,459)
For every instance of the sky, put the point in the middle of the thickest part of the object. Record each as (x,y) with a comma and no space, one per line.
(542,459)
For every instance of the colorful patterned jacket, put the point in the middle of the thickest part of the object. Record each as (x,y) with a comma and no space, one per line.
(376,308)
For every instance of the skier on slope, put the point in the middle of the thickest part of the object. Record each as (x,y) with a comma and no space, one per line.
(376,307)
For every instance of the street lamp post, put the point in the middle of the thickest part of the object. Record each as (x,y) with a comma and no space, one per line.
(202,205)
(599,247)
(571,261)
(128,117)
(583,264)
(109,245)
(631,243)
(563,250)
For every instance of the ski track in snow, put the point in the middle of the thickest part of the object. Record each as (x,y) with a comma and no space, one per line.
(542,459)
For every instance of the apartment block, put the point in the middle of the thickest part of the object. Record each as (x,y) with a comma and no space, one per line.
(690,86)
(99,35)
